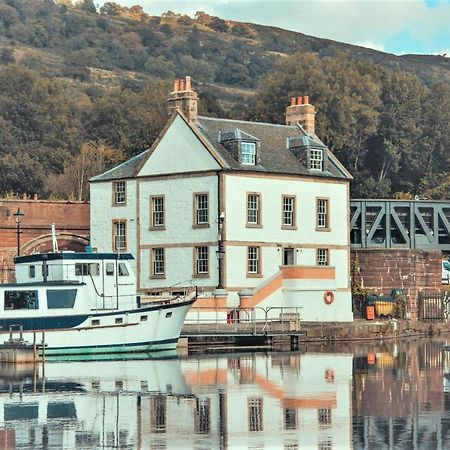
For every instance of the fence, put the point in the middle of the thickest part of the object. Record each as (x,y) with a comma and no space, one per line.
(434,306)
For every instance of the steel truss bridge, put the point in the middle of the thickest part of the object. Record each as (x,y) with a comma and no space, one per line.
(415,224)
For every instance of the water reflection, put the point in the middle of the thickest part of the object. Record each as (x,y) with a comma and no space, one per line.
(361,396)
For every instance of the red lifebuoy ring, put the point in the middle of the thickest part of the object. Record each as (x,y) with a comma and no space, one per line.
(328,297)
(329,376)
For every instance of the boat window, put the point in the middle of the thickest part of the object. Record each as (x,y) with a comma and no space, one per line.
(31,271)
(95,322)
(119,320)
(21,300)
(61,298)
(143,318)
(169,314)
(87,269)
(110,268)
(123,271)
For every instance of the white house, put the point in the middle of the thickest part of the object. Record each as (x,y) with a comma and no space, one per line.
(255,214)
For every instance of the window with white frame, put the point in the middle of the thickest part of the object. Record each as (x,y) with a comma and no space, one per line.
(322,257)
(255,414)
(157,219)
(158,262)
(201,209)
(253,260)
(288,211)
(201,260)
(316,159)
(119,235)
(253,209)
(248,153)
(120,192)
(322,213)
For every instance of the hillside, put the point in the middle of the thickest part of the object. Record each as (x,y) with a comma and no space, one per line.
(125,43)
(81,90)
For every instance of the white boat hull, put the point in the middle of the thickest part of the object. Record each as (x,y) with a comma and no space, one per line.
(114,332)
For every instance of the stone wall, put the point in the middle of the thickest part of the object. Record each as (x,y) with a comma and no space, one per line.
(413,270)
(72,227)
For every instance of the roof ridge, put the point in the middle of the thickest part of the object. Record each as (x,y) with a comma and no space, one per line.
(247,121)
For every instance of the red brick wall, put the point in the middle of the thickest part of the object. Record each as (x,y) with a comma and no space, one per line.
(414,270)
(71,219)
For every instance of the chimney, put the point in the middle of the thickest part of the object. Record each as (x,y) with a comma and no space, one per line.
(183,99)
(301,112)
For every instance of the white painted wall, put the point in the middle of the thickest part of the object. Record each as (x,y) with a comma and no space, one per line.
(179,230)
(178,151)
(103,212)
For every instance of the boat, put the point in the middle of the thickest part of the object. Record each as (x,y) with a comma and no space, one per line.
(86,303)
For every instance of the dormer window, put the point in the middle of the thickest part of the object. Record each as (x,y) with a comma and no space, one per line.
(316,159)
(248,153)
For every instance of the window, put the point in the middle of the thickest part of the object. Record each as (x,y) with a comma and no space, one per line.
(322,257)
(288,219)
(324,416)
(290,419)
(322,214)
(123,271)
(201,261)
(120,192)
(253,210)
(61,298)
(87,269)
(158,269)
(201,209)
(158,409)
(157,219)
(21,300)
(255,410)
(316,159)
(202,415)
(119,235)
(109,268)
(118,321)
(95,322)
(31,271)
(248,153)
(253,261)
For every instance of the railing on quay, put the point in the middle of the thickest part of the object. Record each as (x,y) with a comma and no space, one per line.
(255,321)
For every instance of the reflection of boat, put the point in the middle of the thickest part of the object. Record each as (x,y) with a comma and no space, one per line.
(86,303)
(87,405)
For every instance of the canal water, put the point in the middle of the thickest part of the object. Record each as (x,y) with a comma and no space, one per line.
(360,396)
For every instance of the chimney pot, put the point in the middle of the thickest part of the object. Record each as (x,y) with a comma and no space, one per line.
(24,197)
(306,100)
(182,85)
(35,197)
(188,83)
(176,85)
(299,100)
(293,101)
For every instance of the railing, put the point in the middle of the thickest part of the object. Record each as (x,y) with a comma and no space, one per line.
(254,321)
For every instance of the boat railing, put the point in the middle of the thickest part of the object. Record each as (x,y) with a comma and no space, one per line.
(171,296)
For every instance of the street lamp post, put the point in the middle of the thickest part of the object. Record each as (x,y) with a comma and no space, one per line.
(18,216)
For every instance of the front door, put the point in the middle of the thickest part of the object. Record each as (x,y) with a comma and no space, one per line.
(288,256)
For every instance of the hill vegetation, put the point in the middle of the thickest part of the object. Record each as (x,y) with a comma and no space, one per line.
(82,89)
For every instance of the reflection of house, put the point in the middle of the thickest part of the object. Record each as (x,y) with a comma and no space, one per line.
(248,401)
(72,227)
(255,214)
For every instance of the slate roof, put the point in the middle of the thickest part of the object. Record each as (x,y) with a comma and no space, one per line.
(274,155)
(126,169)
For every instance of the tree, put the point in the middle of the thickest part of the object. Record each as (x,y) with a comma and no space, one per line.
(93,159)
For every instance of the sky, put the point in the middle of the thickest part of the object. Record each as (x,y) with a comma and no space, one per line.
(399,27)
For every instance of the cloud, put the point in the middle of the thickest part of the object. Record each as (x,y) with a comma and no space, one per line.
(372,45)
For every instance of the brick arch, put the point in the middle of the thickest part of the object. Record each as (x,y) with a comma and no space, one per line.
(66,241)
